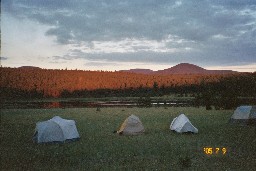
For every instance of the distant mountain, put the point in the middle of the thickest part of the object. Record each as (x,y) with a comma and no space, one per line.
(186,68)
(182,68)
(139,71)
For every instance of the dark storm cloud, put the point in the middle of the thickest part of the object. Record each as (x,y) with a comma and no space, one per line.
(219,31)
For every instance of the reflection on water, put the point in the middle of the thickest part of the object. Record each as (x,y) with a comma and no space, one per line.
(81,104)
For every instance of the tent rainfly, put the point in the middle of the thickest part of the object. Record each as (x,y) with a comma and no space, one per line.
(131,126)
(182,124)
(55,130)
(244,115)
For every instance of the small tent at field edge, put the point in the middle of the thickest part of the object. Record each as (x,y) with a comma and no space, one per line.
(244,115)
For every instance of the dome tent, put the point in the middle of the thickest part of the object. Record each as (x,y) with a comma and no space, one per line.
(182,124)
(131,126)
(244,115)
(55,130)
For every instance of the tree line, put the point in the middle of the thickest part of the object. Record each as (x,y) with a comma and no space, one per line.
(58,83)
(220,91)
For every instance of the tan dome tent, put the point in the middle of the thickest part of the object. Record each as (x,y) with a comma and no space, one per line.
(131,126)
(244,115)
(55,130)
(182,124)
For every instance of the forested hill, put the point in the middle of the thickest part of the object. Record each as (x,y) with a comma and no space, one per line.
(52,83)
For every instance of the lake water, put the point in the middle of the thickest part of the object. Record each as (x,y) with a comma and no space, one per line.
(81,104)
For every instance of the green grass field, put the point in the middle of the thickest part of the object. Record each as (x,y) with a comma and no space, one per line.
(100,149)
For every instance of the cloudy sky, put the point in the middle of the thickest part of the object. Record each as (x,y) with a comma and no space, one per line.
(125,34)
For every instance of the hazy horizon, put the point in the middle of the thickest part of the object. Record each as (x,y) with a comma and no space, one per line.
(209,68)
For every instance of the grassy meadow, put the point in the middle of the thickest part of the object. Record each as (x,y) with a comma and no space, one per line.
(100,149)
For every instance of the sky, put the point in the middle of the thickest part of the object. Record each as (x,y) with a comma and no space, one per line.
(127,34)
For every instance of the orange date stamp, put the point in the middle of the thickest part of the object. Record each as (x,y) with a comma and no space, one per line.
(215,150)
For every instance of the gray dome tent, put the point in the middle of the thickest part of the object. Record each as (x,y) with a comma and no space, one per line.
(55,130)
